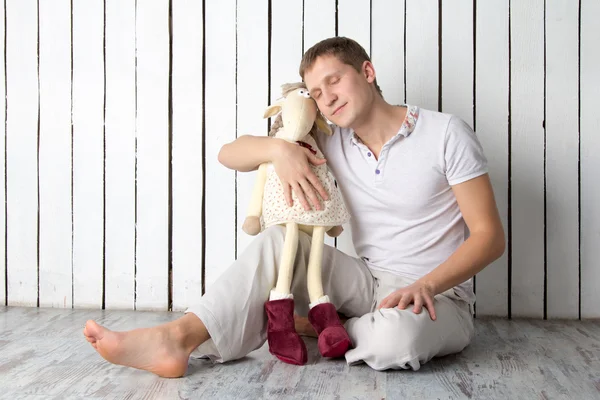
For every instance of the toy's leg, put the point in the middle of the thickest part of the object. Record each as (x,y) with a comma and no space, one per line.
(333,338)
(252,223)
(284,341)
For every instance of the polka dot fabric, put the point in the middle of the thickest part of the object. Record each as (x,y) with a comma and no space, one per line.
(276,211)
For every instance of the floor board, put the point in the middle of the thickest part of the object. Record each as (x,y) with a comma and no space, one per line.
(43,355)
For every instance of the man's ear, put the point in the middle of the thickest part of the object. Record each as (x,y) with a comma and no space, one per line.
(369,71)
(272,110)
(323,125)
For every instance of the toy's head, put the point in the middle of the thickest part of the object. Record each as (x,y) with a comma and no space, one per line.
(298,114)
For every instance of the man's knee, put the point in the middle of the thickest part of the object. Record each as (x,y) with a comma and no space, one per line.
(398,333)
(390,338)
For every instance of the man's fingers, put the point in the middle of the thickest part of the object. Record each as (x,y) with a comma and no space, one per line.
(314,160)
(316,183)
(312,195)
(418,305)
(388,302)
(383,303)
(300,194)
(287,193)
(404,302)
(430,308)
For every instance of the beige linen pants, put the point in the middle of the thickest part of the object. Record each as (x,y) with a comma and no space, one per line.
(233,308)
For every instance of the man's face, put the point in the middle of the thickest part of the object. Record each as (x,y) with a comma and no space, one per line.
(342,93)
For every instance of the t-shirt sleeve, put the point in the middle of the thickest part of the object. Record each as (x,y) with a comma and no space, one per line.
(463,153)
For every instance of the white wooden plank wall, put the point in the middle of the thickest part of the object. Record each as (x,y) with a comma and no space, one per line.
(187,151)
(55,154)
(526,155)
(22,88)
(561,166)
(120,161)
(115,112)
(152,197)
(590,164)
(491,123)
(88,153)
(3,274)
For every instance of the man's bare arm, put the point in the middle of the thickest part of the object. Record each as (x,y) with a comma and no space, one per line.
(247,152)
(291,162)
(486,241)
(485,244)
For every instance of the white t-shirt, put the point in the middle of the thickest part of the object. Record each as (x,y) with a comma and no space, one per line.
(404,216)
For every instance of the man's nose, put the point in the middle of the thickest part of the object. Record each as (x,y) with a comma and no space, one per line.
(330,98)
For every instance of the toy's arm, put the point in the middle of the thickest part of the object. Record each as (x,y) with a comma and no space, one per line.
(252,223)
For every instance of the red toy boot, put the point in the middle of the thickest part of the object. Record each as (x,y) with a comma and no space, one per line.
(284,342)
(333,338)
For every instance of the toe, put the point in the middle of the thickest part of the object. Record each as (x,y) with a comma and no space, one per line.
(93,330)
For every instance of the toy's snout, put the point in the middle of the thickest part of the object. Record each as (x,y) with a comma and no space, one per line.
(298,113)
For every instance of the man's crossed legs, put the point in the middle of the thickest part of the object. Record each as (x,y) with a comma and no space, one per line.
(229,321)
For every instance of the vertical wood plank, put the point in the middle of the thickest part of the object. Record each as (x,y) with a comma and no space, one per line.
(562,152)
(491,122)
(22,164)
(527,158)
(355,23)
(220,108)
(55,154)
(187,152)
(88,149)
(286,44)
(319,24)
(120,155)
(252,94)
(387,48)
(422,64)
(319,21)
(152,256)
(590,162)
(3,268)
(457,59)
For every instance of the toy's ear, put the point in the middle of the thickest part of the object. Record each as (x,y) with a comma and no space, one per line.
(323,125)
(272,110)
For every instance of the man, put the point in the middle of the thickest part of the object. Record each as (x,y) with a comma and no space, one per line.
(411,179)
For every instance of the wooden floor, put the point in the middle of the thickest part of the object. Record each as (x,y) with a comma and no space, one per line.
(43,355)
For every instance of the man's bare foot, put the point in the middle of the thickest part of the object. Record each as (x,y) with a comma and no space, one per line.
(163,350)
(303,326)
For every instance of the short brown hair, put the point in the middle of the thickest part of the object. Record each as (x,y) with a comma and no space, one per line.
(344,49)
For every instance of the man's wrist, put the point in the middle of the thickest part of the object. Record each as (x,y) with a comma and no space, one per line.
(274,146)
(431,285)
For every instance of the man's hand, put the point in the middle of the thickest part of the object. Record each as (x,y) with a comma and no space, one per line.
(292,165)
(419,294)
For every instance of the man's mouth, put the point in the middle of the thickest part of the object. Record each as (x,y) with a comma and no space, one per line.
(337,110)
